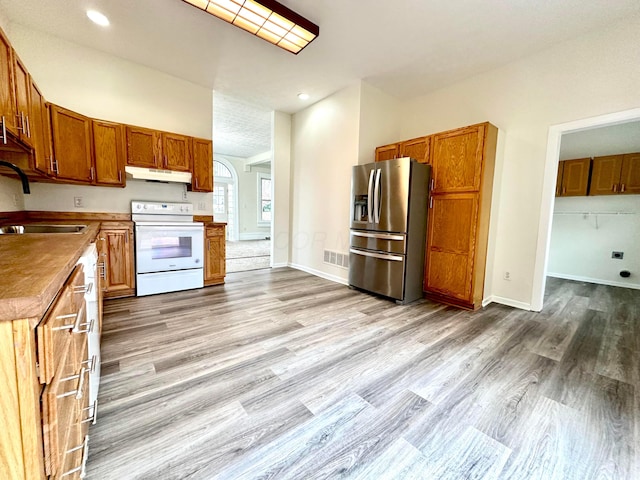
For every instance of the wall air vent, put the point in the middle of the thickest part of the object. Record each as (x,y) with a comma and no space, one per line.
(336,258)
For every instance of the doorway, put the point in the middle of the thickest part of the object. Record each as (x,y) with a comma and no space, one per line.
(556,133)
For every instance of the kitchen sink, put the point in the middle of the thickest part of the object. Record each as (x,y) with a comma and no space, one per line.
(39,228)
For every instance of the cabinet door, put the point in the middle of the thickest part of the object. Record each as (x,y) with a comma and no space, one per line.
(387,152)
(559,179)
(38,109)
(23,90)
(456,157)
(630,177)
(116,251)
(202,180)
(451,244)
(71,145)
(176,155)
(215,255)
(7,87)
(143,147)
(605,176)
(108,152)
(418,149)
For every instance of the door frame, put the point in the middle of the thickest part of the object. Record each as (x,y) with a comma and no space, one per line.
(549,189)
(235,234)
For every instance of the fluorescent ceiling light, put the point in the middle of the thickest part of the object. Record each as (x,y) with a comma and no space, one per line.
(266,19)
(98,18)
(303,96)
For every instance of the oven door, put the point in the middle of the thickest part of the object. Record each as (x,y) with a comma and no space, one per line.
(163,247)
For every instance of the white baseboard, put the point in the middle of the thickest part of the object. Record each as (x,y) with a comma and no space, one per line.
(579,278)
(253,236)
(318,273)
(280,265)
(506,301)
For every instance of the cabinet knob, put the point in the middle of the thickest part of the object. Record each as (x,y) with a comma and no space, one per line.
(622,188)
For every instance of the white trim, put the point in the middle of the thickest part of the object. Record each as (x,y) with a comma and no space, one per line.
(318,273)
(253,236)
(280,265)
(266,176)
(548,191)
(599,281)
(235,234)
(506,301)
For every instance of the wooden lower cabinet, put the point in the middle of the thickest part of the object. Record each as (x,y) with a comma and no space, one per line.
(45,416)
(116,259)
(215,254)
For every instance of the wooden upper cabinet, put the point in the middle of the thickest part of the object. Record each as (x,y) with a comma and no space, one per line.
(605,177)
(8,111)
(613,174)
(72,145)
(418,149)
(387,152)
(575,177)
(38,130)
(109,153)
(456,157)
(202,179)
(176,152)
(144,147)
(23,102)
(630,175)
(559,179)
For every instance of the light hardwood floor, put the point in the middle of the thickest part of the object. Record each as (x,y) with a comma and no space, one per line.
(282,375)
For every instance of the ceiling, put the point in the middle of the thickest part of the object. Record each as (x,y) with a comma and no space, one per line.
(600,141)
(406,48)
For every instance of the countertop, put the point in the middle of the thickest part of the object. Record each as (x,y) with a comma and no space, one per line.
(35,266)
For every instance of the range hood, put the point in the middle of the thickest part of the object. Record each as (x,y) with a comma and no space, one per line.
(155,175)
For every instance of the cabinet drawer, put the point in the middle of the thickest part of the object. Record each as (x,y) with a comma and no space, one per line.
(54,332)
(74,455)
(60,405)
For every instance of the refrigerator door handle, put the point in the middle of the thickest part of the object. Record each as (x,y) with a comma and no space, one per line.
(376,197)
(381,236)
(381,256)
(370,198)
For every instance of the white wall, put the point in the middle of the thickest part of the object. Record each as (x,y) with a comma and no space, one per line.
(325,145)
(11,196)
(597,142)
(110,88)
(247,210)
(581,245)
(581,78)
(281,175)
(379,122)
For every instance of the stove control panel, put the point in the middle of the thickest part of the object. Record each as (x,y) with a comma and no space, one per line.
(161,208)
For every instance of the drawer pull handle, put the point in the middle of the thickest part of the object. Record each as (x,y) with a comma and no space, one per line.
(81,315)
(82,466)
(89,328)
(92,362)
(94,413)
(78,391)
(83,288)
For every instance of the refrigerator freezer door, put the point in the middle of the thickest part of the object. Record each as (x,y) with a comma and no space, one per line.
(377,272)
(386,242)
(379,195)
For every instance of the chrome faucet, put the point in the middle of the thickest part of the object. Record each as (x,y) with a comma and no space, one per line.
(21,174)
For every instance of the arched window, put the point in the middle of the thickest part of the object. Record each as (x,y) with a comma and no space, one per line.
(221,171)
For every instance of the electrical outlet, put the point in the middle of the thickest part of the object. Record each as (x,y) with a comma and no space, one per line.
(507,276)
(202,206)
(184,193)
(16,200)
(78,202)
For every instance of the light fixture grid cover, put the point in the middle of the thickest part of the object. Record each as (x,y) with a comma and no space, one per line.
(267,19)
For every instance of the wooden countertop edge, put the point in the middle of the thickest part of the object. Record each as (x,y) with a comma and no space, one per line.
(35,306)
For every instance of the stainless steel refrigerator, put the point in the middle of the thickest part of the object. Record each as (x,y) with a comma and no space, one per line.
(389,205)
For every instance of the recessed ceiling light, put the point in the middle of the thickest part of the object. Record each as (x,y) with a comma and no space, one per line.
(303,96)
(98,18)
